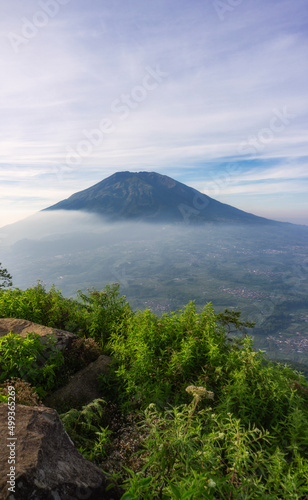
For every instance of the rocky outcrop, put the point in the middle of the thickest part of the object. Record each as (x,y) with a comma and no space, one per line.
(42,462)
(22,327)
(81,389)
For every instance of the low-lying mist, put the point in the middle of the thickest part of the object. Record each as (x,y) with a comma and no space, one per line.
(74,248)
(50,224)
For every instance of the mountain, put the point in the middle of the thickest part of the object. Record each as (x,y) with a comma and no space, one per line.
(152,197)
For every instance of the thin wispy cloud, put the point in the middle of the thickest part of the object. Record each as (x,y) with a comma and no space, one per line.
(219,83)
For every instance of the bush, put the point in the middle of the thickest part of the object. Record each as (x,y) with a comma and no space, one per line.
(37,305)
(104,311)
(84,425)
(30,359)
(94,314)
(211,455)
(158,357)
(249,441)
(259,392)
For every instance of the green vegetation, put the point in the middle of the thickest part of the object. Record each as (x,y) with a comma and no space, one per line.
(94,314)
(215,418)
(84,425)
(159,357)
(5,277)
(28,358)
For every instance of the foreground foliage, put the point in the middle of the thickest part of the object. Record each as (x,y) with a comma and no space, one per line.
(31,360)
(217,419)
(84,425)
(92,314)
(213,455)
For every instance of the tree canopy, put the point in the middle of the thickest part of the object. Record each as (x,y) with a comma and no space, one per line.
(5,277)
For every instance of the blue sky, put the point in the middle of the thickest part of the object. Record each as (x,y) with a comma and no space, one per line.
(211,92)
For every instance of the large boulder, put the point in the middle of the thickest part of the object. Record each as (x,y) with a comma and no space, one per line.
(47,465)
(22,327)
(82,387)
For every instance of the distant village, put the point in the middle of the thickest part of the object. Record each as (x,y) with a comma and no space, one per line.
(244,292)
(298,342)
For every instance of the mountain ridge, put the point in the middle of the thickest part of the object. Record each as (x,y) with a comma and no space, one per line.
(152,197)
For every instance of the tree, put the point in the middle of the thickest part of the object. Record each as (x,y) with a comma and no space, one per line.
(228,318)
(5,277)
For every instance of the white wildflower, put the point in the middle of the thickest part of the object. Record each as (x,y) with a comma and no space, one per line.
(212,483)
(199,392)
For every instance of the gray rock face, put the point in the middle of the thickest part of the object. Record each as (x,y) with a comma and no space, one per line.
(47,465)
(22,327)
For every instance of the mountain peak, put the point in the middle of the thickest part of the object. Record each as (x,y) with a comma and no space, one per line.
(152,197)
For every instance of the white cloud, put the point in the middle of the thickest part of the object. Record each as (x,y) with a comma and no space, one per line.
(279,187)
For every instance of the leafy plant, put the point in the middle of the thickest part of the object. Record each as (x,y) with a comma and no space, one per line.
(35,304)
(104,311)
(5,277)
(212,456)
(259,392)
(158,356)
(193,412)
(84,427)
(93,314)
(30,359)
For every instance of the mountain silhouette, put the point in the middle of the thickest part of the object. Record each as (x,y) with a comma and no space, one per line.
(152,197)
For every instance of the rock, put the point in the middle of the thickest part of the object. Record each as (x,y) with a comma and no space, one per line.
(81,389)
(22,327)
(47,465)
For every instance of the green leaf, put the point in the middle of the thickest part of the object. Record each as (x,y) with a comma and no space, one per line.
(175,490)
(128,496)
(146,481)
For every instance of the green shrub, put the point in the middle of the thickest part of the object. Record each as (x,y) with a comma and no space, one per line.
(93,314)
(259,392)
(212,456)
(253,440)
(37,305)
(85,428)
(157,357)
(103,311)
(30,359)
